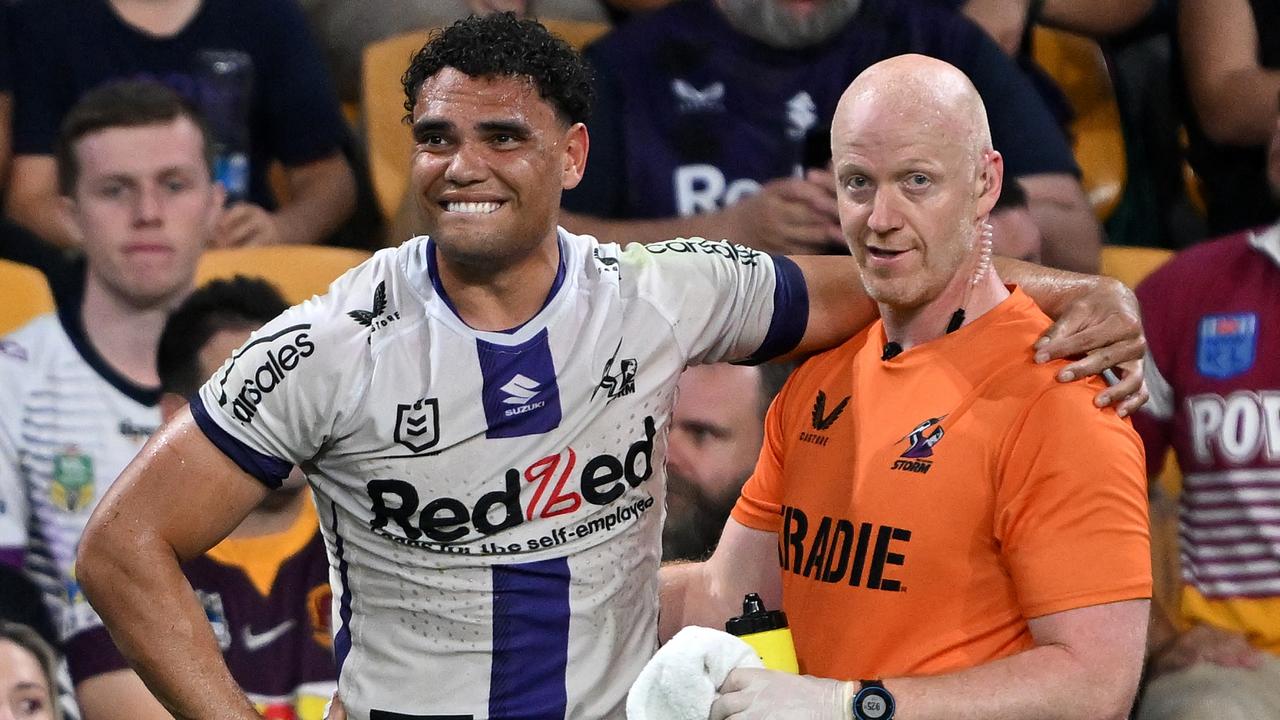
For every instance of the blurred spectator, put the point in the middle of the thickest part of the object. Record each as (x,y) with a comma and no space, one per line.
(709,111)
(1014,232)
(1009,21)
(1211,317)
(717,427)
(265,589)
(27,677)
(346,27)
(62,48)
(1231,62)
(79,387)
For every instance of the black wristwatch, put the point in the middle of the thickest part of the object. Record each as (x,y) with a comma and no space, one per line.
(873,702)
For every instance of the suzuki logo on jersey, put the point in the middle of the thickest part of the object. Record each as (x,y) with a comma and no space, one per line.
(619,384)
(521,391)
(690,99)
(840,551)
(374,318)
(1243,427)
(291,346)
(418,424)
(920,443)
(548,487)
(802,115)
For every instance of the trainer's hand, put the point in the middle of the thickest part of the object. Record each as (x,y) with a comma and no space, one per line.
(756,694)
(1101,330)
(793,216)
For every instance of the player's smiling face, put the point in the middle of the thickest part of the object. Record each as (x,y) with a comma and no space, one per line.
(491,158)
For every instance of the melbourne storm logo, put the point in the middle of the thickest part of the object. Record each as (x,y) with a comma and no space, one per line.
(920,442)
(375,319)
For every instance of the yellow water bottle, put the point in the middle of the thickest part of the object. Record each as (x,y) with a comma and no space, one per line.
(767,632)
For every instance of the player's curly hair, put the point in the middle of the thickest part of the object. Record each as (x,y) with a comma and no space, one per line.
(502,45)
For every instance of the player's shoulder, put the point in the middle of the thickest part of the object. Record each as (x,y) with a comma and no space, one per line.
(32,345)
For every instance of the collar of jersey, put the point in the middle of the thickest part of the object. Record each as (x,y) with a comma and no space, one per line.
(69,308)
(1267,242)
(434,275)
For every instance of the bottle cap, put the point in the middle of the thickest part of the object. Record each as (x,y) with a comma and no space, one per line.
(755,618)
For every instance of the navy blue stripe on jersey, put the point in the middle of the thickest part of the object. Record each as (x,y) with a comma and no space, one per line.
(269,471)
(790,311)
(530,641)
(341,639)
(433,271)
(520,395)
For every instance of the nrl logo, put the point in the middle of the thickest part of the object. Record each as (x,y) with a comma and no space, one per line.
(418,424)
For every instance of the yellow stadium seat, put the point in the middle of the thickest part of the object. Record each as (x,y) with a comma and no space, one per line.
(1078,66)
(24,295)
(382,100)
(1130,265)
(577,33)
(298,271)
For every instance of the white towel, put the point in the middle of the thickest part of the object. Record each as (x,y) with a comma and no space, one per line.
(680,681)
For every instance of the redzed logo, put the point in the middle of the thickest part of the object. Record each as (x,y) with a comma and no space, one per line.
(602,480)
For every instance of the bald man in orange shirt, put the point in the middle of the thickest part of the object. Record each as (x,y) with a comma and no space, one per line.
(958,534)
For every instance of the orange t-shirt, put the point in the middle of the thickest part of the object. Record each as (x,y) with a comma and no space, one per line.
(928,505)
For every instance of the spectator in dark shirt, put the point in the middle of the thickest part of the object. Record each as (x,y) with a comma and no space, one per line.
(66,47)
(710,111)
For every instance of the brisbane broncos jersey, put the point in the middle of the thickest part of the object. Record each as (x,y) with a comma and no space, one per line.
(492,502)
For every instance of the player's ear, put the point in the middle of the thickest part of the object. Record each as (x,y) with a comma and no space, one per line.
(576,143)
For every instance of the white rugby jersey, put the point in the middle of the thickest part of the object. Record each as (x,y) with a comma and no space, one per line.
(493,502)
(69,425)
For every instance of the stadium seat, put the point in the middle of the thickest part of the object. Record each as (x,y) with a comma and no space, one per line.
(1080,69)
(382,100)
(576,32)
(298,271)
(24,294)
(1130,265)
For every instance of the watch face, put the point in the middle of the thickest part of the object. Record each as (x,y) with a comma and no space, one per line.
(874,704)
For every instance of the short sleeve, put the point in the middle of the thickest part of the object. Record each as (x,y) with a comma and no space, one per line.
(274,403)
(1071,505)
(297,89)
(760,505)
(722,301)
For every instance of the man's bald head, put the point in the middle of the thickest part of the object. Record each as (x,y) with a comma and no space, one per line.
(921,90)
(916,179)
